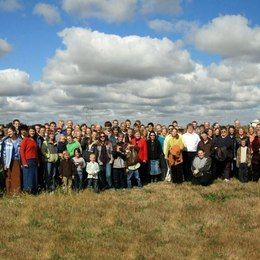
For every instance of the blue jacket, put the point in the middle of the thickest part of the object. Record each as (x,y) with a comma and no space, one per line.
(7,147)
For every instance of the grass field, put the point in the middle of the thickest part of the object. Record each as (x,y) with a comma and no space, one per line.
(160,221)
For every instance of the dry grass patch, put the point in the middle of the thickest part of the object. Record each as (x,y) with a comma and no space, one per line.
(159,221)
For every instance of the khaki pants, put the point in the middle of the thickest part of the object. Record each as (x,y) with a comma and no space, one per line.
(66,184)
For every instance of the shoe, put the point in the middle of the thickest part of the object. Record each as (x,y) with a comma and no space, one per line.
(226,180)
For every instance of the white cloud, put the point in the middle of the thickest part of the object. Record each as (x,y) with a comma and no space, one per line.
(231,37)
(50,13)
(5,47)
(14,82)
(109,10)
(91,57)
(161,6)
(10,5)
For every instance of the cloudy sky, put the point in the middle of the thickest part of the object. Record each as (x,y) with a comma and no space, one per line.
(154,60)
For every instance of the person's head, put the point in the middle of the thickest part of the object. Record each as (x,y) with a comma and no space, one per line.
(217,131)
(201,153)
(69,131)
(204,136)
(243,142)
(231,130)
(202,128)
(170,127)
(251,130)
(137,135)
(11,131)
(108,125)
(257,127)
(190,128)
(2,134)
(98,128)
(77,153)
(32,132)
(70,123)
(78,136)
(47,127)
(223,131)
(37,128)
(16,124)
(237,123)
(123,126)
(150,126)
(52,126)
(210,133)
(120,137)
(158,129)
(115,130)
(102,137)
(60,124)
(174,132)
(88,131)
(42,131)
(62,138)
(66,155)
(51,136)
(152,135)
(69,139)
(206,125)
(194,124)
(164,131)
(92,157)
(258,133)
(127,123)
(115,123)
(241,131)
(175,123)
(24,130)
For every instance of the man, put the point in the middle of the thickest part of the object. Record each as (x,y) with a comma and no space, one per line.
(17,124)
(223,147)
(191,141)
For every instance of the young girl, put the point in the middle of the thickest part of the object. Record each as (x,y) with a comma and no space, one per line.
(93,170)
(80,164)
(67,171)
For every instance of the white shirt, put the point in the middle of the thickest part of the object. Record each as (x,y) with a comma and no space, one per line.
(191,141)
(243,154)
(92,170)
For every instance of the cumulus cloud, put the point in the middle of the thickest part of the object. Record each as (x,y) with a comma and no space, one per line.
(91,57)
(49,12)
(10,5)
(5,47)
(109,10)
(14,82)
(231,37)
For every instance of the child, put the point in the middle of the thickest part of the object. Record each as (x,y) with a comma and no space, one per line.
(243,161)
(92,171)
(80,164)
(67,171)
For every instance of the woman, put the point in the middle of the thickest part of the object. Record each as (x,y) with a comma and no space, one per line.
(50,154)
(163,163)
(105,160)
(256,157)
(251,135)
(11,161)
(29,157)
(154,153)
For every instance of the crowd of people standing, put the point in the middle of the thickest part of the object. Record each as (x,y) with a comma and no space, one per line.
(117,155)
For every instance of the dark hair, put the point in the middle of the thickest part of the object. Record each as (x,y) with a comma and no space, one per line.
(52,123)
(152,132)
(108,124)
(201,149)
(190,124)
(12,128)
(151,124)
(223,128)
(16,120)
(77,150)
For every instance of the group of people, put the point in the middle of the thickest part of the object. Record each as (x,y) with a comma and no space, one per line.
(117,155)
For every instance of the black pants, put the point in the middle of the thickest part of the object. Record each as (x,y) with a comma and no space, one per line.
(255,172)
(144,173)
(204,180)
(223,169)
(187,163)
(119,178)
(163,166)
(243,172)
(177,173)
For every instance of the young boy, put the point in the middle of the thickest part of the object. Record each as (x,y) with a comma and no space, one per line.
(92,171)
(243,161)
(67,171)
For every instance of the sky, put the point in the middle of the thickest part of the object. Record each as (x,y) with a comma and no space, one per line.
(153,60)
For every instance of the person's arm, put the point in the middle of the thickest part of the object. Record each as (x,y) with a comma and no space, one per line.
(22,153)
(207,166)
(145,150)
(83,164)
(44,150)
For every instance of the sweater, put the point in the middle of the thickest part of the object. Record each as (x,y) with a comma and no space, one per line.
(92,170)
(142,146)
(72,146)
(67,168)
(154,149)
(243,156)
(170,142)
(256,150)
(29,150)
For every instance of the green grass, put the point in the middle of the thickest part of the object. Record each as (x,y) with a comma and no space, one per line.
(160,221)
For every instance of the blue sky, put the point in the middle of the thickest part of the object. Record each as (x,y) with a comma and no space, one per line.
(34,41)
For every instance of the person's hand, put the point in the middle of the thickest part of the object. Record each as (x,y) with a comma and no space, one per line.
(73,177)
(25,166)
(5,168)
(144,161)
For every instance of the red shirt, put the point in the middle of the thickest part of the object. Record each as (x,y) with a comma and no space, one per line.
(142,145)
(29,150)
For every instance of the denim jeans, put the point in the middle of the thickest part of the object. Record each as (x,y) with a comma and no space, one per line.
(105,175)
(30,180)
(50,172)
(78,181)
(137,177)
(93,183)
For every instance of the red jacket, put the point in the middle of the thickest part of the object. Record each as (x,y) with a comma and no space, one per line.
(29,150)
(142,145)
